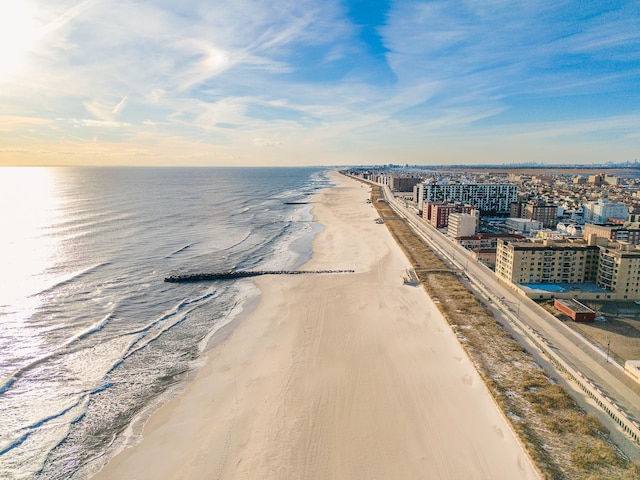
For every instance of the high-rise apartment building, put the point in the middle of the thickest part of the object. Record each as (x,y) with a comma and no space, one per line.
(437,214)
(545,214)
(612,266)
(489,198)
(596,179)
(619,271)
(602,210)
(403,184)
(612,180)
(573,261)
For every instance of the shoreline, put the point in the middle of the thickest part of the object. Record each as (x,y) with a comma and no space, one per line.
(338,376)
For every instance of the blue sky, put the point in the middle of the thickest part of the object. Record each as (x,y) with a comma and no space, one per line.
(308,82)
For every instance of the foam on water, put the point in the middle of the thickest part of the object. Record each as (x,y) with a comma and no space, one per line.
(88,355)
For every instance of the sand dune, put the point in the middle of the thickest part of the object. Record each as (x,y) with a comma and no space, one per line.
(345,376)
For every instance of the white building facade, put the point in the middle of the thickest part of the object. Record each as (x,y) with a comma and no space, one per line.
(601,210)
(522,225)
(463,224)
(490,198)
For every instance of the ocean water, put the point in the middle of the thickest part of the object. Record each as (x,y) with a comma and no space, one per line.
(91,338)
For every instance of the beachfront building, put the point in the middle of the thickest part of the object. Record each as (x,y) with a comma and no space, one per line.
(489,198)
(547,261)
(486,256)
(437,214)
(628,232)
(619,270)
(602,210)
(463,224)
(440,212)
(611,268)
(399,183)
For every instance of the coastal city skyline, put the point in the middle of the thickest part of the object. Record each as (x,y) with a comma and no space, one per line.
(309,83)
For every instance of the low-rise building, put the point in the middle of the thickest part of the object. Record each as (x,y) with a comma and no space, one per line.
(575,310)
(570,229)
(522,225)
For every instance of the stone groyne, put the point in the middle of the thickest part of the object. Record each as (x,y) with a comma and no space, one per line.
(204,277)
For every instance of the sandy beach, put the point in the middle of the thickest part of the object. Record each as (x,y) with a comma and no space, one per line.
(333,376)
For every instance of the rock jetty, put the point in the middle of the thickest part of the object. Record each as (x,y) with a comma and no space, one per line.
(204,277)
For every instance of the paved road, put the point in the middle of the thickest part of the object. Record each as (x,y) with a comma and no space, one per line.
(581,355)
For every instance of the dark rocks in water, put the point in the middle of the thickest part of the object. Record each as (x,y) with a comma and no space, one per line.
(203,277)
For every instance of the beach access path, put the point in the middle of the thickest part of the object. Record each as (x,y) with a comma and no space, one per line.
(347,376)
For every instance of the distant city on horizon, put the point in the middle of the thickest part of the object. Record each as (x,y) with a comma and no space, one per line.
(515,166)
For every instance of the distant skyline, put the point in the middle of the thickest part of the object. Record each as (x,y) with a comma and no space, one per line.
(307,82)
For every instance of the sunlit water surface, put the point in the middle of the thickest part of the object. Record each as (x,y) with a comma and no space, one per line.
(91,337)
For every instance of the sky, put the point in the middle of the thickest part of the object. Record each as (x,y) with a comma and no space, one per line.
(318,82)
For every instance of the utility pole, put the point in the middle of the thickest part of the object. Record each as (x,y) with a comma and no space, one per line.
(608,343)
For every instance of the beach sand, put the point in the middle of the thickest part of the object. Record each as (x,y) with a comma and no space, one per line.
(333,376)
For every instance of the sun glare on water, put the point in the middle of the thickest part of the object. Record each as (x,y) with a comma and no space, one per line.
(17,35)
(28,209)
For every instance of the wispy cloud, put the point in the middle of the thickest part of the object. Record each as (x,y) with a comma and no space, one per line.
(105,111)
(218,79)
(101,123)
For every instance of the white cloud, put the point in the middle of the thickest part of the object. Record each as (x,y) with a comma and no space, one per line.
(105,111)
(288,73)
(101,123)
(119,107)
(265,142)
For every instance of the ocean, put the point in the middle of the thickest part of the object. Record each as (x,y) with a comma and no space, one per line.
(92,339)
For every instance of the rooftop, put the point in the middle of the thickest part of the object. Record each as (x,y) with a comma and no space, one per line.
(574,305)
(480,236)
(570,243)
